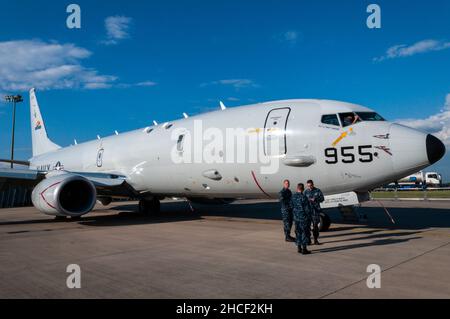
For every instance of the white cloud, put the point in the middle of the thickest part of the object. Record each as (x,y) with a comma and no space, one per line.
(437,124)
(49,65)
(236,83)
(97,85)
(2,99)
(117,28)
(290,36)
(138,84)
(46,65)
(146,83)
(403,50)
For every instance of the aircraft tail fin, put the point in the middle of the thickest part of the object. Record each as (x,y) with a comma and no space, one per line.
(40,142)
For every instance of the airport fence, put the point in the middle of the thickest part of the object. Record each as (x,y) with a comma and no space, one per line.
(417,193)
(14,196)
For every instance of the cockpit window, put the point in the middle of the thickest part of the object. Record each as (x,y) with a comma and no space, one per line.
(330,119)
(370,116)
(349,118)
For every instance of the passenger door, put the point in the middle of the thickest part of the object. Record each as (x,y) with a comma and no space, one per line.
(275,132)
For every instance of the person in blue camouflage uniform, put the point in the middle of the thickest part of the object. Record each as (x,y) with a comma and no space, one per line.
(315,197)
(302,218)
(286,210)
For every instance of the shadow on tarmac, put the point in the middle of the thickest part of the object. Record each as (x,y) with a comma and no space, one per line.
(406,218)
(379,242)
(127,215)
(414,220)
(410,222)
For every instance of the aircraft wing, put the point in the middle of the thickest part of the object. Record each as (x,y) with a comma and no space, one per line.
(107,184)
(8,174)
(19,162)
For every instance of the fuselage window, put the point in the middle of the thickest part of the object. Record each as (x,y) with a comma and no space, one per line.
(349,118)
(180,143)
(370,116)
(330,119)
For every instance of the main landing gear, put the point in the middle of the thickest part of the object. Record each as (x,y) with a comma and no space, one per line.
(149,206)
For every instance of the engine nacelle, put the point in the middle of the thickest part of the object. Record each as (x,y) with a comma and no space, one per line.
(64,194)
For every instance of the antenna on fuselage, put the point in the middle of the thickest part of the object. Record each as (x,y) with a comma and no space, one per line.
(75,142)
(185,115)
(155,123)
(115,132)
(98,137)
(222,106)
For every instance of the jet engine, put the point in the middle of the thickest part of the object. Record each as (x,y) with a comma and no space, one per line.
(64,195)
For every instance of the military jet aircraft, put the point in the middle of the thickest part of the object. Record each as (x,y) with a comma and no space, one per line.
(343,147)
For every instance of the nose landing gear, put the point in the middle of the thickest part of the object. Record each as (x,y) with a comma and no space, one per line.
(325,222)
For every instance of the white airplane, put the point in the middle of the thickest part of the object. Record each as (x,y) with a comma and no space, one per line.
(343,147)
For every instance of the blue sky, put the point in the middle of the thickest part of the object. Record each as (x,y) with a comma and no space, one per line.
(133,61)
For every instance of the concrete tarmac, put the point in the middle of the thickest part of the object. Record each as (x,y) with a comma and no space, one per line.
(230,251)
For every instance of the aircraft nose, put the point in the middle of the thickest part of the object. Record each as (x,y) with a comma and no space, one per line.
(435,149)
(409,148)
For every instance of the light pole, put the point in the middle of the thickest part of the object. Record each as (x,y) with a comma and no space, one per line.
(14,99)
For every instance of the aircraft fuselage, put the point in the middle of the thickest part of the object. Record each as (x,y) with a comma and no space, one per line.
(296,139)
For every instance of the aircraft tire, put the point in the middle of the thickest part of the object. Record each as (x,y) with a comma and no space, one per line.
(105,201)
(325,222)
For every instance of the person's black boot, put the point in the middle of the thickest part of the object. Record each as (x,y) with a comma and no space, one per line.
(299,249)
(316,242)
(290,239)
(305,251)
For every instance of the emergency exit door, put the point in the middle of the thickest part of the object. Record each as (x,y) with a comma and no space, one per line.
(275,132)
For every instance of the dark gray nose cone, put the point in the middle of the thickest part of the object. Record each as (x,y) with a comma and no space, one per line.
(435,149)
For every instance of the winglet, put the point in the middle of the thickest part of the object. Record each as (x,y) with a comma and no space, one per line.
(222,106)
